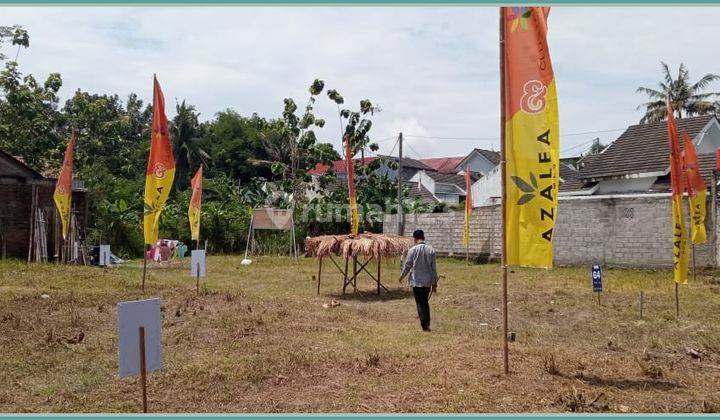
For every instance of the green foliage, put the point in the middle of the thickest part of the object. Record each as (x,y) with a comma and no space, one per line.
(687,98)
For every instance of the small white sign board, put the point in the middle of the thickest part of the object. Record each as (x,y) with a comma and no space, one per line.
(131,316)
(104,260)
(197,262)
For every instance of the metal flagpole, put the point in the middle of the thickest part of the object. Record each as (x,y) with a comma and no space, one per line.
(503,259)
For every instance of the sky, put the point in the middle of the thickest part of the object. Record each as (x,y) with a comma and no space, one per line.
(433,71)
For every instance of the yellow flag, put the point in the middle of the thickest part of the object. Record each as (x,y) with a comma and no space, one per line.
(680,252)
(195,202)
(63,188)
(160,170)
(531,138)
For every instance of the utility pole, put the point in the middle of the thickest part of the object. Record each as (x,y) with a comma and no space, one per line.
(400,213)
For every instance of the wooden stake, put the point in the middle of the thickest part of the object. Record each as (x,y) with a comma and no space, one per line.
(32,222)
(379,258)
(641,304)
(319,274)
(345,276)
(677,300)
(143,369)
(503,199)
(354,278)
(144,267)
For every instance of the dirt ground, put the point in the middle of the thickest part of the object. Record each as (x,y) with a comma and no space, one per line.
(258,339)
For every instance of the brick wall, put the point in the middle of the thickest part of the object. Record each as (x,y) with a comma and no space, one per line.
(628,231)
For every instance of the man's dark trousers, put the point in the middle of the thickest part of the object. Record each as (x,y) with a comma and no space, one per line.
(422,294)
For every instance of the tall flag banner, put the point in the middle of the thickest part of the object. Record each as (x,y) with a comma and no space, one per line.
(680,253)
(63,188)
(160,169)
(531,138)
(468,207)
(717,159)
(697,192)
(195,203)
(350,168)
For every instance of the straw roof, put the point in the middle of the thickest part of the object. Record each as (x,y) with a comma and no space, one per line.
(368,244)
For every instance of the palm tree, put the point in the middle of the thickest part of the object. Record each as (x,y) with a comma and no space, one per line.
(686,98)
(185,135)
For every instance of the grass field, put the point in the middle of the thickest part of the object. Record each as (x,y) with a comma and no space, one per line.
(258,339)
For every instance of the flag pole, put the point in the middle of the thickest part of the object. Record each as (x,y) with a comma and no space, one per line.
(144,257)
(503,259)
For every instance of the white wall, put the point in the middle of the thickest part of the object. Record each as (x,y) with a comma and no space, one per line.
(477,163)
(709,140)
(486,187)
(625,185)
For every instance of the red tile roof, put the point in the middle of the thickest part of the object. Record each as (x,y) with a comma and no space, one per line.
(444,165)
(338,166)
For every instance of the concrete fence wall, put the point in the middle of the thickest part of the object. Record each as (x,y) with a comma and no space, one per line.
(628,230)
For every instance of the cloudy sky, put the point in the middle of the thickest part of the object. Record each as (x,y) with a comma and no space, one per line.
(432,70)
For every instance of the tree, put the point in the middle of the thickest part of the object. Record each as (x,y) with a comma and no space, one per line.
(29,117)
(185,134)
(686,98)
(17,35)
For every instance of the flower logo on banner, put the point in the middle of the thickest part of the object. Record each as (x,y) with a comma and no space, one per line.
(160,170)
(519,17)
(534,97)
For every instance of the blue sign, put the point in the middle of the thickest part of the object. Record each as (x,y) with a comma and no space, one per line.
(597,278)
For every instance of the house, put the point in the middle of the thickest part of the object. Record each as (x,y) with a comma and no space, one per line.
(638,161)
(18,183)
(434,180)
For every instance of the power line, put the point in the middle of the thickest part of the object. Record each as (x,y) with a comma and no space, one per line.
(582,133)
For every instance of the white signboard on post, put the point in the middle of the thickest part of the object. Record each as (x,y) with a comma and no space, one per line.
(197,263)
(133,315)
(104,259)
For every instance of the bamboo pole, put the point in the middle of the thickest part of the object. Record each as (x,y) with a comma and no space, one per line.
(503,199)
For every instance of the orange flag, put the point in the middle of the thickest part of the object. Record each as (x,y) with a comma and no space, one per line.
(63,188)
(468,207)
(160,169)
(195,202)
(532,142)
(680,254)
(350,168)
(697,192)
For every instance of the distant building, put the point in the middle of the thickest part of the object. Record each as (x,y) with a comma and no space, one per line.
(18,183)
(434,180)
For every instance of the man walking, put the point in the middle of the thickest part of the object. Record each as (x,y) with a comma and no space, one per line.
(421,260)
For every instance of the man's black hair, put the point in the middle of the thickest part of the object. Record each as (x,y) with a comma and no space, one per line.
(419,235)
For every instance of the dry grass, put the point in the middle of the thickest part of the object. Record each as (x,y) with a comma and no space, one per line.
(369,244)
(259,340)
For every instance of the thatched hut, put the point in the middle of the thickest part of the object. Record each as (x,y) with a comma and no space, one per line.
(371,246)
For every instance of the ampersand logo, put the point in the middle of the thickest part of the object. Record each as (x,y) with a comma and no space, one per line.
(159,170)
(534,97)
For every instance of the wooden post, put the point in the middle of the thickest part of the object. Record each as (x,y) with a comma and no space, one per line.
(400,210)
(32,221)
(319,273)
(677,300)
(641,304)
(379,258)
(147,248)
(143,369)
(345,275)
(598,298)
(503,198)
(713,215)
(354,278)
(197,279)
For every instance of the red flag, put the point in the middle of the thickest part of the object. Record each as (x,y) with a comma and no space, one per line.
(63,189)
(717,159)
(160,169)
(195,202)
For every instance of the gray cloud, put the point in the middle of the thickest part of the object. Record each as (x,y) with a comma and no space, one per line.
(434,71)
